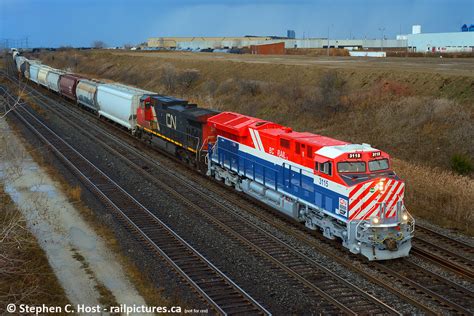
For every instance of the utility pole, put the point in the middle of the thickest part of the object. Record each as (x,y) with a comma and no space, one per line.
(328,40)
(381,29)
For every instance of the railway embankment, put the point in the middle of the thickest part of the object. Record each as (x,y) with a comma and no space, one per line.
(112,164)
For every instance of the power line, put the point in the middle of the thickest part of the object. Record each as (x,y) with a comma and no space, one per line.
(7,43)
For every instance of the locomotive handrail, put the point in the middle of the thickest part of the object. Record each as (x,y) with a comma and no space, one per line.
(199,150)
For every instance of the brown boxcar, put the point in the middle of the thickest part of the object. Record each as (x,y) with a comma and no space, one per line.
(67,85)
(268,49)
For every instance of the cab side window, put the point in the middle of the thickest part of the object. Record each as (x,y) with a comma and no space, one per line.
(326,168)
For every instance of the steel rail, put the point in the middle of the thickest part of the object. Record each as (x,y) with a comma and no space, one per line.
(215,287)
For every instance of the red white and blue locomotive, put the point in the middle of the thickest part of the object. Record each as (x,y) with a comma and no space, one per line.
(348,191)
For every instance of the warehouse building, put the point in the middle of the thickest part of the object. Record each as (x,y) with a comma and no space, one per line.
(196,43)
(205,42)
(442,42)
(462,41)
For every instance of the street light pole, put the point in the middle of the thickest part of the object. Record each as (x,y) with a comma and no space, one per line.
(381,29)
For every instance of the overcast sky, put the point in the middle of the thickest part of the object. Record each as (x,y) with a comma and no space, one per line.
(79,22)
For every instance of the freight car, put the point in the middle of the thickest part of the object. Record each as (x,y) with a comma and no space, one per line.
(19,60)
(119,103)
(348,191)
(28,64)
(34,69)
(42,74)
(52,79)
(86,91)
(67,85)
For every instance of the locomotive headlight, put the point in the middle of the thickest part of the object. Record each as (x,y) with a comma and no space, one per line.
(375,220)
(405,217)
(380,186)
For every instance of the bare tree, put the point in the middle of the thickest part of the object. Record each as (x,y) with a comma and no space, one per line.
(169,77)
(333,87)
(11,102)
(187,78)
(98,44)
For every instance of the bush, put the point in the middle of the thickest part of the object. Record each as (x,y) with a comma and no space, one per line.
(333,89)
(226,87)
(210,87)
(461,164)
(187,78)
(169,77)
(249,87)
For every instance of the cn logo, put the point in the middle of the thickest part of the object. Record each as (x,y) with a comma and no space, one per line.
(170,121)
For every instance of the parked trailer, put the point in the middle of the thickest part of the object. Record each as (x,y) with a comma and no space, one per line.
(34,69)
(86,91)
(119,103)
(68,84)
(52,79)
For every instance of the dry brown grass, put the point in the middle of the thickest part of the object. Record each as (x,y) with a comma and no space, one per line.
(25,274)
(439,196)
(421,118)
(73,193)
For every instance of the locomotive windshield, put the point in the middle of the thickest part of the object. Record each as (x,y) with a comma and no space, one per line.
(349,166)
(377,165)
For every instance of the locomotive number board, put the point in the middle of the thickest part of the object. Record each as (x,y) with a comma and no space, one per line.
(354,155)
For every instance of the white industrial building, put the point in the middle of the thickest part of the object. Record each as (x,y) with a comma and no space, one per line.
(416,42)
(203,43)
(442,42)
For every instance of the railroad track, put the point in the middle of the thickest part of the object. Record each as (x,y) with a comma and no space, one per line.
(445,251)
(401,277)
(395,275)
(219,291)
(451,296)
(335,295)
(440,296)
